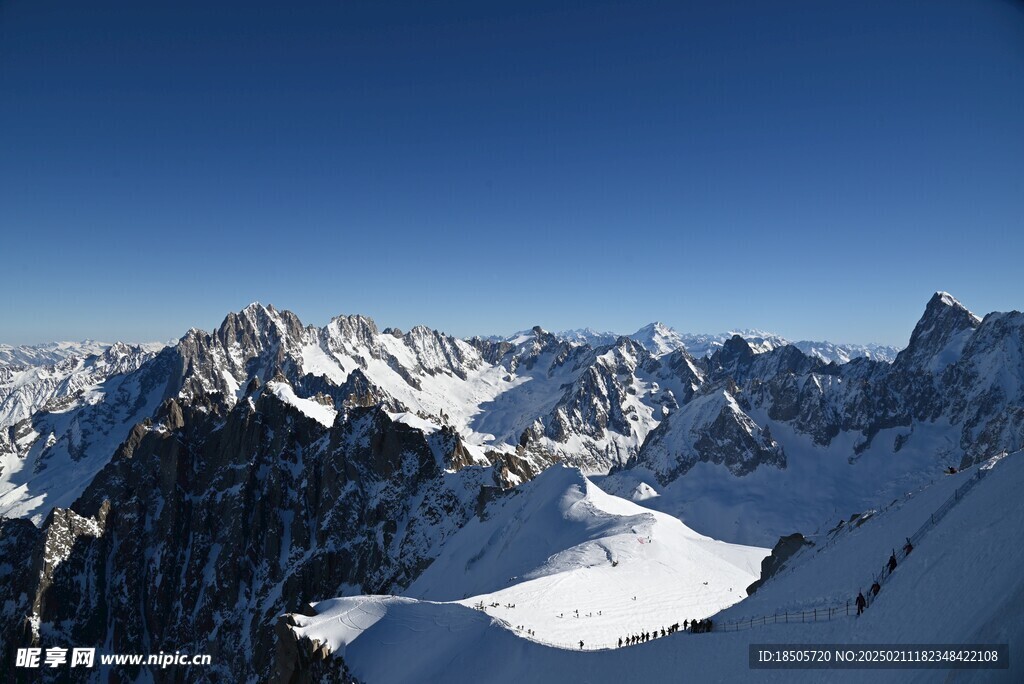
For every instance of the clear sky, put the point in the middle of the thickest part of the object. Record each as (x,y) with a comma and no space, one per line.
(816,168)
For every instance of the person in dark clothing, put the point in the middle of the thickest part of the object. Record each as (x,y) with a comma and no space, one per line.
(620,642)
(875,588)
(908,547)
(861,602)
(581,644)
(951,470)
(892,562)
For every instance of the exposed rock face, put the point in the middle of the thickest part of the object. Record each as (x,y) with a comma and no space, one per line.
(712,428)
(301,660)
(212,520)
(784,549)
(939,337)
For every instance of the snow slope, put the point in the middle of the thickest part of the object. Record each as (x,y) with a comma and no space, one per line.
(71,444)
(564,561)
(321,413)
(961,585)
(818,486)
(27,388)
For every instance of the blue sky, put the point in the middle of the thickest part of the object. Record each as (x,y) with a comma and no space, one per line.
(815,168)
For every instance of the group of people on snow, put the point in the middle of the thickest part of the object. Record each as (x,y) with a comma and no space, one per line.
(875,586)
(700,626)
(692,626)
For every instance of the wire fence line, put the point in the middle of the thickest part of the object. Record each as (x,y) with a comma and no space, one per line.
(820,613)
(830,611)
(837,533)
(883,575)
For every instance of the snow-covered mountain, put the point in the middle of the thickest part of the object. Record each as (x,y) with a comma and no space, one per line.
(960,585)
(561,531)
(25,389)
(704,345)
(49,353)
(804,431)
(760,341)
(659,339)
(53,353)
(563,562)
(543,398)
(844,353)
(588,336)
(247,471)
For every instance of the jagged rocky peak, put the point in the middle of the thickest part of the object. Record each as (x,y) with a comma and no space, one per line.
(685,367)
(257,326)
(540,339)
(939,337)
(736,347)
(712,428)
(437,352)
(354,327)
(525,349)
(626,356)
(732,358)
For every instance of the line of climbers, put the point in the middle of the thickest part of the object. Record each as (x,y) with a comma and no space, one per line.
(694,627)
(875,586)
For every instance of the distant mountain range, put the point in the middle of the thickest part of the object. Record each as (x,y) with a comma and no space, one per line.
(54,352)
(659,339)
(32,377)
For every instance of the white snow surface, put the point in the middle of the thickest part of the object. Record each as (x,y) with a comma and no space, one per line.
(322,414)
(961,585)
(566,561)
(68,447)
(643,492)
(36,381)
(818,487)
